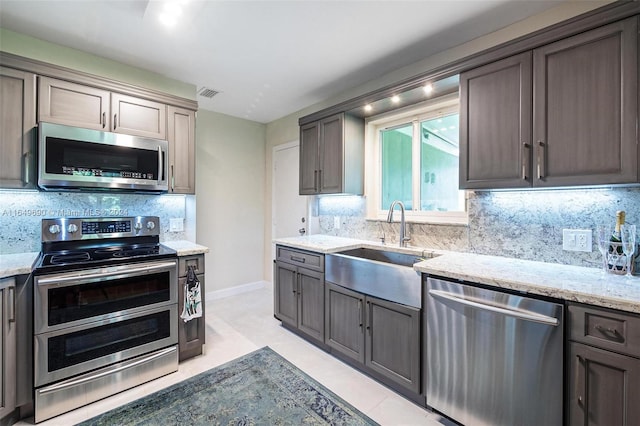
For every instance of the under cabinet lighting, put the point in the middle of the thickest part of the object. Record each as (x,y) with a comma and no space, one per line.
(428,89)
(368,107)
(395,99)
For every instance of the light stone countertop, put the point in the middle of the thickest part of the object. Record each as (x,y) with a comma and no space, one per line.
(185,248)
(16,264)
(571,283)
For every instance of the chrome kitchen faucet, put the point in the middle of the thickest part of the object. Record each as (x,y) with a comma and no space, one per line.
(403,237)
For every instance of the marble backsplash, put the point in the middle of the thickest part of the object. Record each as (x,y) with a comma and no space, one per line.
(21,213)
(518,224)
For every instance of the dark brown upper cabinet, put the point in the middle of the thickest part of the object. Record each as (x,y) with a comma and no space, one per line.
(495,124)
(332,156)
(565,118)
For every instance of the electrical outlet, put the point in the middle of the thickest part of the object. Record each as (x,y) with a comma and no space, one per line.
(176,224)
(577,240)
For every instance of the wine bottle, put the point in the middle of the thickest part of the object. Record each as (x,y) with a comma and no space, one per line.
(616,261)
(615,237)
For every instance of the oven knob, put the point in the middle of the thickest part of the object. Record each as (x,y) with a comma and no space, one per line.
(137,226)
(54,229)
(150,225)
(72,228)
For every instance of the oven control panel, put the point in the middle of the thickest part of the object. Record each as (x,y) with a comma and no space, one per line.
(73,229)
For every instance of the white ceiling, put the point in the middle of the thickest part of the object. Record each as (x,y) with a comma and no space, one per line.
(266,58)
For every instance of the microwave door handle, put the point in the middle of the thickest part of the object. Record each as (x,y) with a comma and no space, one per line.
(160,165)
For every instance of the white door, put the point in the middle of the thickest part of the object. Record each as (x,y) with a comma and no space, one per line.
(289,211)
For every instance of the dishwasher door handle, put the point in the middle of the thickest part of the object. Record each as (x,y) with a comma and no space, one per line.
(527,316)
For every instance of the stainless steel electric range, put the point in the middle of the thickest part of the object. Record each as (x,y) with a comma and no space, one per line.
(105,310)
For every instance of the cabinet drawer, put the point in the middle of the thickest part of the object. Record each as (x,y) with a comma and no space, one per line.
(197,261)
(307,259)
(605,328)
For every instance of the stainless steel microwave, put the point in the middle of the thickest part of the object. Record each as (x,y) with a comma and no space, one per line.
(72,158)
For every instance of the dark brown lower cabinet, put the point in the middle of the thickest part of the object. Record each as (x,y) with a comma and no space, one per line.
(604,387)
(299,298)
(191,333)
(382,335)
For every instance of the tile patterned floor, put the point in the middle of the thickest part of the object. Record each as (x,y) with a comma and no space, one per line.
(240,324)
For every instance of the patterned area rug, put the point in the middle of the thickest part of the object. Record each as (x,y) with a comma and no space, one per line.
(260,388)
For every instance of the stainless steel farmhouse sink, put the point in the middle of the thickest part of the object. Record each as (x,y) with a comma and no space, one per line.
(384,274)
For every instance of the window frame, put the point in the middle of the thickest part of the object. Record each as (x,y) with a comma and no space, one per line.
(443,105)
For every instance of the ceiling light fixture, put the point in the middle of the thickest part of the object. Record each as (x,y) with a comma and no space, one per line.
(171,10)
(368,107)
(395,99)
(428,88)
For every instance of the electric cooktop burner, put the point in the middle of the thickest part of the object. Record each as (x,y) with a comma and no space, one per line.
(81,243)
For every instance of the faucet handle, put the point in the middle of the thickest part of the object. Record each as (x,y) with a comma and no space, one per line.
(382,238)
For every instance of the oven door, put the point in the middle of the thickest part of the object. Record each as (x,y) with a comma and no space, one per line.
(69,299)
(64,353)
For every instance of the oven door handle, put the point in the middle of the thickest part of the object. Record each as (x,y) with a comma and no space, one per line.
(81,380)
(123,272)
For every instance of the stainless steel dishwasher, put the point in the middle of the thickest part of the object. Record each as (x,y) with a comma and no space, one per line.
(493,358)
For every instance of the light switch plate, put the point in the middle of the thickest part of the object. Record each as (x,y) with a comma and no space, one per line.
(577,240)
(176,224)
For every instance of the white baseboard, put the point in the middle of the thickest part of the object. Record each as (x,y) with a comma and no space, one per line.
(234,291)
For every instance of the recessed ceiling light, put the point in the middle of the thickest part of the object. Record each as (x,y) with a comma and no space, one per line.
(368,107)
(171,10)
(428,88)
(395,99)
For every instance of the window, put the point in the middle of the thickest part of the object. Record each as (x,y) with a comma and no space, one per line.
(412,156)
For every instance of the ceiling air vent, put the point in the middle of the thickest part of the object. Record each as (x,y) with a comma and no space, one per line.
(207,93)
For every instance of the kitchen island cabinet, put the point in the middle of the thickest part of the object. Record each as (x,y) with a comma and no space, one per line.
(567,118)
(332,156)
(17,129)
(299,291)
(72,104)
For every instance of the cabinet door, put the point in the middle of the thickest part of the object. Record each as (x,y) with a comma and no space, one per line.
(393,341)
(309,140)
(585,108)
(311,303)
(495,125)
(140,117)
(344,321)
(285,293)
(603,387)
(191,334)
(330,174)
(7,348)
(181,129)
(72,104)
(17,128)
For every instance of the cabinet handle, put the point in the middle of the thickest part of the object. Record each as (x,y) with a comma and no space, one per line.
(315,181)
(115,121)
(369,317)
(579,387)
(525,159)
(604,330)
(12,304)
(360,312)
(173,181)
(104,119)
(320,180)
(541,170)
(27,172)
(298,259)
